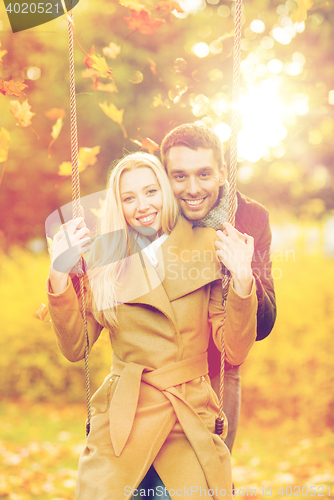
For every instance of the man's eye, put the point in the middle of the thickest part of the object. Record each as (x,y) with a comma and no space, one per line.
(205,174)
(179,177)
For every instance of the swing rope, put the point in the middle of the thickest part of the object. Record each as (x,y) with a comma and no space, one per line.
(232,193)
(76,205)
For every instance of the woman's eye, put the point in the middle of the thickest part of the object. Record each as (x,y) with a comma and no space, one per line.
(128,199)
(151,192)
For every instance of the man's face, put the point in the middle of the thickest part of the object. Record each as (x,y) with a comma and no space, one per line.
(195,179)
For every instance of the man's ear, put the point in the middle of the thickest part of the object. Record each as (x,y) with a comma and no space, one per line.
(222,175)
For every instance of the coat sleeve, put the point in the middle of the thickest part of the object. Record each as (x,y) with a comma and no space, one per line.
(240,324)
(261,265)
(68,324)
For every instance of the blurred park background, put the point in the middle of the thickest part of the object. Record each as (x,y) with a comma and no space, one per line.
(143,67)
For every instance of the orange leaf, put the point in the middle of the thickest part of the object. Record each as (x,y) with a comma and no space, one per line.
(168,6)
(12,88)
(150,145)
(153,66)
(22,112)
(4,144)
(142,22)
(88,60)
(55,113)
(41,313)
(57,128)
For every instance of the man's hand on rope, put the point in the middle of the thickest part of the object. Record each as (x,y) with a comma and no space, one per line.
(235,250)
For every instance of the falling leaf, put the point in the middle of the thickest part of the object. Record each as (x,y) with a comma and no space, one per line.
(41,313)
(115,114)
(93,74)
(153,66)
(87,157)
(101,66)
(112,50)
(12,88)
(168,6)
(112,112)
(106,87)
(55,133)
(22,112)
(132,4)
(300,14)
(88,60)
(142,22)
(57,128)
(150,145)
(157,101)
(4,144)
(55,113)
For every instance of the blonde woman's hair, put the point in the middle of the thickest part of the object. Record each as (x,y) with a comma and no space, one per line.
(107,259)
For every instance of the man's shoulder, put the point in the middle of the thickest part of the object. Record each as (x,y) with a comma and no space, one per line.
(250,212)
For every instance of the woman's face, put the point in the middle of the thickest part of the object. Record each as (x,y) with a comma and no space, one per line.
(141,198)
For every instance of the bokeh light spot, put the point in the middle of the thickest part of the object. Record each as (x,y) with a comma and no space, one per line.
(257,26)
(33,73)
(201,49)
(275,66)
(223,131)
(136,77)
(179,65)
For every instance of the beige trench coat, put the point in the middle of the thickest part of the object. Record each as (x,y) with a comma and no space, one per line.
(157,405)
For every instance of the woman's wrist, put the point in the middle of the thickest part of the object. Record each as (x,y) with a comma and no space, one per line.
(58,280)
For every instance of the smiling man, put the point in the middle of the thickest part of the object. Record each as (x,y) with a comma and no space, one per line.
(193,158)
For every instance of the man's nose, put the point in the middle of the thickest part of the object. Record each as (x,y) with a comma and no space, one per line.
(193,186)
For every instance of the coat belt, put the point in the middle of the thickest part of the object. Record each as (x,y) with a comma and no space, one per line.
(125,399)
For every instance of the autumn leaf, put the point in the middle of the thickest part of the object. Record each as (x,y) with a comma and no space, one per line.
(101,66)
(168,6)
(4,144)
(22,112)
(87,157)
(112,112)
(88,60)
(93,74)
(153,66)
(300,14)
(55,113)
(115,114)
(12,88)
(149,145)
(55,132)
(142,22)
(112,50)
(41,313)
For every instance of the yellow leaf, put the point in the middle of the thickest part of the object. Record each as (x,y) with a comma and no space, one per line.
(101,66)
(65,168)
(112,112)
(112,50)
(300,14)
(22,112)
(4,144)
(57,128)
(157,101)
(87,157)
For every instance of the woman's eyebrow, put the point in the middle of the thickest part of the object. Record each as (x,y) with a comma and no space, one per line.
(144,187)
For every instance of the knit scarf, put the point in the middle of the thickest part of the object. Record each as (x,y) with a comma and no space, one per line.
(216,217)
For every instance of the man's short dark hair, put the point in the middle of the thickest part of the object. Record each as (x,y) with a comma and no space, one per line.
(193,136)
